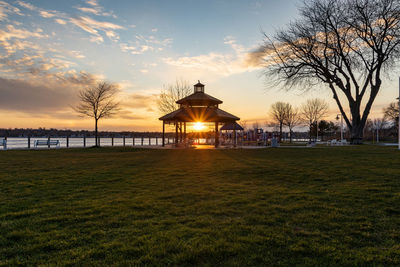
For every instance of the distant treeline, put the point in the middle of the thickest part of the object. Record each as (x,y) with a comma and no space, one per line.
(43,132)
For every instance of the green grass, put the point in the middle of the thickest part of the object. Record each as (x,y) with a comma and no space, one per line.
(287,206)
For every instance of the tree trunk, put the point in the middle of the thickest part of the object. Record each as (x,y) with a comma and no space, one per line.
(96,133)
(290,132)
(309,135)
(356,131)
(280,132)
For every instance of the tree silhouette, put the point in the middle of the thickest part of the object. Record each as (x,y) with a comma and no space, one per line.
(278,112)
(391,113)
(312,111)
(292,119)
(98,102)
(172,93)
(344,44)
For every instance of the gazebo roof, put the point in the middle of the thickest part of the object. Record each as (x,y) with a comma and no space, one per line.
(230,126)
(203,114)
(199,98)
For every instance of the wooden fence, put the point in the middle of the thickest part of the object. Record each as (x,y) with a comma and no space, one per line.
(70,142)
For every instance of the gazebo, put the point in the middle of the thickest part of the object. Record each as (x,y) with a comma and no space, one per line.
(197,107)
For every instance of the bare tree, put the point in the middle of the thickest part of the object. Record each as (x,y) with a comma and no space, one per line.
(377,125)
(256,125)
(312,111)
(172,93)
(391,113)
(292,119)
(244,125)
(278,113)
(98,102)
(347,45)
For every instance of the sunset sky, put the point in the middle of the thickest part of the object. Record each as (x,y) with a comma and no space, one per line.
(50,49)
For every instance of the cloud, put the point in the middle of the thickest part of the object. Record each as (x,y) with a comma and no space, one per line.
(17,45)
(128,115)
(77,54)
(97,39)
(135,50)
(139,100)
(153,40)
(42,12)
(47,14)
(60,21)
(93,27)
(92,2)
(89,10)
(223,64)
(48,95)
(95,9)
(144,44)
(6,8)
(26,5)
(256,57)
(145,48)
(127,48)
(11,32)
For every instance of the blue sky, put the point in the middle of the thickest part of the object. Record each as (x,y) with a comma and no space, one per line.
(50,49)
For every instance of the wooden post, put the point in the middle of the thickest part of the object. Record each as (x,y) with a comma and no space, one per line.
(5,143)
(142,140)
(48,142)
(163,133)
(84,141)
(67,141)
(156,140)
(112,141)
(184,132)
(123,141)
(176,133)
(180,132)
(149,141)
(133,141)
(29,142)
(234,135)
(216,135)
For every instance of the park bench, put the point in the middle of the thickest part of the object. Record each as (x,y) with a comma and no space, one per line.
(47,143)
(311,144)
(335,142)
(343,142)
(3,143)
(332,142)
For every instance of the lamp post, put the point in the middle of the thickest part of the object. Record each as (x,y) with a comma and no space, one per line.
(341,125)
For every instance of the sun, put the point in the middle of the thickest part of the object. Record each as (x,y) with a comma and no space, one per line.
(198,126)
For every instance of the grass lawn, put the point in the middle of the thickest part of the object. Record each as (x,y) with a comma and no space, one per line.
(124,206)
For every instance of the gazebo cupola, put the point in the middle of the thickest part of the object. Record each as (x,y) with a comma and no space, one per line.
(199,87)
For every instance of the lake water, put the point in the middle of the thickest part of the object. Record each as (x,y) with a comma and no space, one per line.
(21,142)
